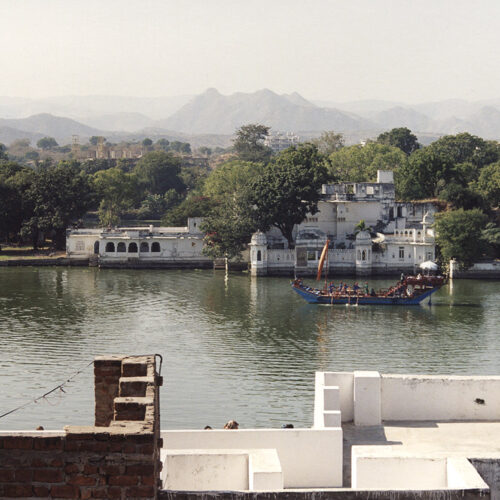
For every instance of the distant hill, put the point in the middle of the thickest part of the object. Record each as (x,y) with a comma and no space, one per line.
(122,121)
(212,112)
(213,117)
(53,126)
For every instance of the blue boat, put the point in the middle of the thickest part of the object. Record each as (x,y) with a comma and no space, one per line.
(409,292)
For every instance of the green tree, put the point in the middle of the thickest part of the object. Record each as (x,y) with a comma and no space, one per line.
(192,206)
(419,178)
(329,142)
(360,163)
(163,144)
(3,152)
(459,235)
(94,140)
(46,143)
(401,138)
(158,172)
(58,195)
(180,147)
(204,150)
(464,147)
(249,143)
(228,228)
(231,178)
(488,184)
(117,191)
(230,223)
(288,189)
(147,142)
(491,236)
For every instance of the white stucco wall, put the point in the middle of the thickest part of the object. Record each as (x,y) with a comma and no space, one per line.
(308,457)
(427,397)
(367,399)
(377,467)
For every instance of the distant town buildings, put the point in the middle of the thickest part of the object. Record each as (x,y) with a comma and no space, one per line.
(279,141)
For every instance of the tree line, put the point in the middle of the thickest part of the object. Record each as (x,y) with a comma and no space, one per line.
(254,189)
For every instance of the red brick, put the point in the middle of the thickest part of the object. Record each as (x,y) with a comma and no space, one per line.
(114,492)
(18,443)
(48,475)
(6,475)
(114,470)
(71,468)
(64,491)
(23,475)
(85,493)
(57,462)
(140,492)
(148,480)
(41,491)
(96,446)
(146,449)
(123,480)
(17,490)
(82,481)
(102,493)
(90,469)
(140,470)
(38,462)
(48,444)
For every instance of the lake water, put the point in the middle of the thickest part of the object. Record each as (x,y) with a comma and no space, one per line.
(233,348)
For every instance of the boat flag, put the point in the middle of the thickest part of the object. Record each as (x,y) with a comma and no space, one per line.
(324,253)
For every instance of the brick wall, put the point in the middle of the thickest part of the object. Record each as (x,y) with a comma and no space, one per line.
(116,458)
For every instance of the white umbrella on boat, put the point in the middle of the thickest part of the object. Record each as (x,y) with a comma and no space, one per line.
(428,265)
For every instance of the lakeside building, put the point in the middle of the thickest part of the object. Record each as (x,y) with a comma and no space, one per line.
(403,236)
(400,238)
(177,247)
(373,436)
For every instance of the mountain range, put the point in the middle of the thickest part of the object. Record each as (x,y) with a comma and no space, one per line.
(211,117)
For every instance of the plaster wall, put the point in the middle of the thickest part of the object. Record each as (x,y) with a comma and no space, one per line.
(390,473)
(196,470)
(345,382)
(419,397)
(376,467)
(308,457)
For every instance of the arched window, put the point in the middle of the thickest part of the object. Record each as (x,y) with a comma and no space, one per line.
(110,246)
(259,256)
(96,247)
(155,246)
(363,255)
(121,247)
(359,254)
(144,247)
(132,247)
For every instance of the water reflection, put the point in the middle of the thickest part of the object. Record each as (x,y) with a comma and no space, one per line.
(234,346)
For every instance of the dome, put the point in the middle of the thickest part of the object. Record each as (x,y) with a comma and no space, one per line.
(363,237)
(258,238)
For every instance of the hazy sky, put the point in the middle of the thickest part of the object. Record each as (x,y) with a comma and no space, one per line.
(408,50)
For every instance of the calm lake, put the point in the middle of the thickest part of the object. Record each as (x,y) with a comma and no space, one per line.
(233,348)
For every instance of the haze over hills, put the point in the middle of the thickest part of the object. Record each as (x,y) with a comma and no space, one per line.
(217,113)
(211,118)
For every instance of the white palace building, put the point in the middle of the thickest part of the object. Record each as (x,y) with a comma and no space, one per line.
(400,237)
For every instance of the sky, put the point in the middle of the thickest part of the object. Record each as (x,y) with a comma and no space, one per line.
(337,50)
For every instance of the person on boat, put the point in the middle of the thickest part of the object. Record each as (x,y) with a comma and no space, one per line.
(367,290)
(372,293)
(355,287)
(345,287)
(331,287)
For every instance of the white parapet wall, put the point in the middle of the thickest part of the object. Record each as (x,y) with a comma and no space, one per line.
(368,398)
(309,458)
(378,468)
(437,397)
(209,470)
